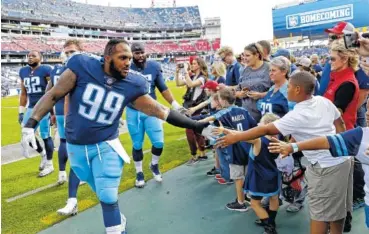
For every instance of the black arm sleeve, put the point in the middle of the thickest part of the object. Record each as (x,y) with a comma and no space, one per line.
(31,123)
(344,95)
(178,120)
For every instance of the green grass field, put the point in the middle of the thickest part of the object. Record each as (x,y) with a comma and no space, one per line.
(36,212)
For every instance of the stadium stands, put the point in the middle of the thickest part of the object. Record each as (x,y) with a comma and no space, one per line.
(69,12)
(51,44)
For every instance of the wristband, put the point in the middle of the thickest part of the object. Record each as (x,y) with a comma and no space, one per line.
(31,123)
(295,148)
(22,109)
(175,105)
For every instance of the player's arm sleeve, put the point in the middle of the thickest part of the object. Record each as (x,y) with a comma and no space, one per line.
(159,82)
(344,95)
(289,123)
(346,143)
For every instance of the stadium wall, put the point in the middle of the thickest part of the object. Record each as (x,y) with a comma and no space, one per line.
(310,19)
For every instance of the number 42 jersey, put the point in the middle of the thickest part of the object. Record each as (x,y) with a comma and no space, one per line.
(97,101)
(35,82)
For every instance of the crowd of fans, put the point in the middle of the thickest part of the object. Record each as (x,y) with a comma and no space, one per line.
(70,12)
(285,90)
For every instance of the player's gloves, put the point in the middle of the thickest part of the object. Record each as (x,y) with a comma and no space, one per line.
(178,120)
(179,108)
(22,109)
(28,134)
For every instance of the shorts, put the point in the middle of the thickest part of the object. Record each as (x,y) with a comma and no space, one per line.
(330,191)
(44,124)
(237,172)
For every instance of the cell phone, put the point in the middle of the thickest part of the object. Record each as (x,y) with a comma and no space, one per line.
(352,40)
(180,65)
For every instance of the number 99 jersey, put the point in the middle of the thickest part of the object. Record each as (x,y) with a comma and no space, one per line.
(35,82)
(97,101)
(54,77)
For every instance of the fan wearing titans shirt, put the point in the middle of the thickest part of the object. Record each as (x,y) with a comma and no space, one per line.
(69,48)
(139,123)
(276,101)
(34,78)
(234,117)
(354,142)
(98,92)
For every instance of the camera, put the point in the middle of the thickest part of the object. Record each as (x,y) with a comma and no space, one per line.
(181,65)
(351,40)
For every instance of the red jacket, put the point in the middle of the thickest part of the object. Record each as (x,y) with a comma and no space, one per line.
(336,80)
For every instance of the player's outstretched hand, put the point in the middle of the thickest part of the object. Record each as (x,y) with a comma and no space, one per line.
(280,147)
(28,137)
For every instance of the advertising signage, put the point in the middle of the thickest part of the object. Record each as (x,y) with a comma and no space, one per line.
(310,19)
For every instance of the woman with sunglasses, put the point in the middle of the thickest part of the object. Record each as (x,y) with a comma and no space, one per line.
(254,80)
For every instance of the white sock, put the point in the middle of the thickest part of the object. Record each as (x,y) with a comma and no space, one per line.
(73,200)
(155,159)
(43,154)
(138,166)
(49,162)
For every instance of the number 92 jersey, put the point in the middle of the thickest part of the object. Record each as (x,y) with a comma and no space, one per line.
(54,77)
(97,101)
(35,82)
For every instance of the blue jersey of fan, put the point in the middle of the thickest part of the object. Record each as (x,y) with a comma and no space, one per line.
(35,82)
(153,74)
(97,101)
(263,178)
(275,102)
(354,142)
(54,77)
(237,118)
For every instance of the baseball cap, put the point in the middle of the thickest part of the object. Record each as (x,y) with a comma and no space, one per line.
(212,85)
(306,62)
(282,52)
(341,28)
(136,46)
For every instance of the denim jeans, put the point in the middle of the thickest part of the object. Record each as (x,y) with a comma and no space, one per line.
(224,159)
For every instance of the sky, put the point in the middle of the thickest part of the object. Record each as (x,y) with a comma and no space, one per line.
(242,21)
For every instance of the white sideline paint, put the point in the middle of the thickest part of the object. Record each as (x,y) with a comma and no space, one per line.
(29,193)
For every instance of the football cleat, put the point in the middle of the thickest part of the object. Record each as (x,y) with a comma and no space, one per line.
(48,169)
(156,173)
(140,180)
(70,209)
(62,177)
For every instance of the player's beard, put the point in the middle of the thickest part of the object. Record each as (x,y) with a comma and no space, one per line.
(114,72)
(140,65)
(33,64)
